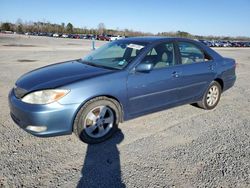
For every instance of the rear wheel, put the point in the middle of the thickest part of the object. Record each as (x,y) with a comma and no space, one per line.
(211,97)
(97,120)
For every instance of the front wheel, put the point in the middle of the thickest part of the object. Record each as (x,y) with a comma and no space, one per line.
(211,97)
(97,120)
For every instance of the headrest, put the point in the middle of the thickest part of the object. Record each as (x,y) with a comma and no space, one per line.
(164,57)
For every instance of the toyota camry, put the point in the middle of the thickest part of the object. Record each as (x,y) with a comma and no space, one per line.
(119,81)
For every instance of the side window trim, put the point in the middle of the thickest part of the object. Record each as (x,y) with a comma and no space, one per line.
(177,53)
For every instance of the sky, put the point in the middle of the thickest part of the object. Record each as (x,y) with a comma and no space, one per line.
(199,17)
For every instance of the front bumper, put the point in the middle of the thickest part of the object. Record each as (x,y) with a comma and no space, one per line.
(57,118)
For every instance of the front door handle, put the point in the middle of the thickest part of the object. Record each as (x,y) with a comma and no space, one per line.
(175,74)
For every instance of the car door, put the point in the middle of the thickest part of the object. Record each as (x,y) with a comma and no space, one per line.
(152,90)
(198,71)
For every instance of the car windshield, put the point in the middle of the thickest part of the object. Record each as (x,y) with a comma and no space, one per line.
(114,55)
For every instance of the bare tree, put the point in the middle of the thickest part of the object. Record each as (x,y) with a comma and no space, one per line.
(101,28)
(62,27)
(19,21)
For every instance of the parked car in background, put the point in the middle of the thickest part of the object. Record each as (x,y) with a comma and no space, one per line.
(121,80)
(49,35)
(247,44)
(225,44)
(112,38)
(207,43)
(65,36)
(236,44)
(89,36)
(103,37)
(218,44)
(85,36)
(55,35)
(41,34)
(76,36)
(242,44)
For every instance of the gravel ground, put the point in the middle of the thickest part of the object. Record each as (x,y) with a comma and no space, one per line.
(181,147)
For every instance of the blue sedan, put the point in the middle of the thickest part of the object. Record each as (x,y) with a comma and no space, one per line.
(119,81)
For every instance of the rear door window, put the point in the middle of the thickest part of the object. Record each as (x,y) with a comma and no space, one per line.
(190,53)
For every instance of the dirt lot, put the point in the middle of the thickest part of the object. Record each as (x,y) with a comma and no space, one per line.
(181,147)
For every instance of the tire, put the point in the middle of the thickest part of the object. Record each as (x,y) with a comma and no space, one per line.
(97,120)
(213,93)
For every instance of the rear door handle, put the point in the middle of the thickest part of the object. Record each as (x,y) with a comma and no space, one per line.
(175,74)
(210,67)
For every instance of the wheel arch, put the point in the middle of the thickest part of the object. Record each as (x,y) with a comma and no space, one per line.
(220,81)
(120,106)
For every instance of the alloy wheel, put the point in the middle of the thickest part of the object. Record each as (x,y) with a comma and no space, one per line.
(99,121)
(212,95)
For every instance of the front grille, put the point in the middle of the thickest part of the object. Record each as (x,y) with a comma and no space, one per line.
(19,92)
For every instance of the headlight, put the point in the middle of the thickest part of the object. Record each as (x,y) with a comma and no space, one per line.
(45,96)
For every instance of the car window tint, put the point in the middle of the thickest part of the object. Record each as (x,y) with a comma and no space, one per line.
(114,51)
(190,53)
(161,56)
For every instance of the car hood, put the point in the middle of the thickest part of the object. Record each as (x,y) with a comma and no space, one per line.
(57,75)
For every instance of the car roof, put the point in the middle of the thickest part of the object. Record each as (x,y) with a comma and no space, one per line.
(152,39)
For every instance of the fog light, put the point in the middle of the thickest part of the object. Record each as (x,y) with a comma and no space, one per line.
(36,128)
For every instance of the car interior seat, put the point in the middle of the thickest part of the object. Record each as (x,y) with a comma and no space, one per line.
(165,60)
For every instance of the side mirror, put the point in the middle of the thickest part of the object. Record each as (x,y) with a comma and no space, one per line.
(144,67)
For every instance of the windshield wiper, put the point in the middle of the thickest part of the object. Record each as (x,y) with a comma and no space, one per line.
(97,65)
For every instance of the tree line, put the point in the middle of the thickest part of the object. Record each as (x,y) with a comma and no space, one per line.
(23,27)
